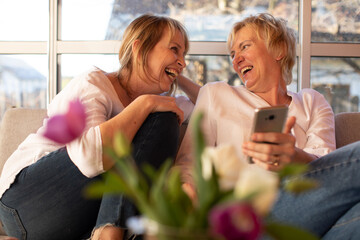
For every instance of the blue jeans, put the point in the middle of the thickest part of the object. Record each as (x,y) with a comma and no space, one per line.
(46,200)
(331,211)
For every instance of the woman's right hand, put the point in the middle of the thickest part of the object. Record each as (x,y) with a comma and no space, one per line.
(157,103)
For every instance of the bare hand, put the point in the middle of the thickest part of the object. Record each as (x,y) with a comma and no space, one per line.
(272,150)
(162,104)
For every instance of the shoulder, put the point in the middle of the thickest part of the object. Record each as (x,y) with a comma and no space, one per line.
(309,96)
(309,102)
(89,86)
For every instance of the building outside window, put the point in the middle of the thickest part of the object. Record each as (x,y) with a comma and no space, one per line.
(45,43)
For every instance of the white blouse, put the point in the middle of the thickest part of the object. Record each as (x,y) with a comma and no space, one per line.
(228,117)
(101,102)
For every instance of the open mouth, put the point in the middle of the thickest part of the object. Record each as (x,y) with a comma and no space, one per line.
(246,69)
(171,72)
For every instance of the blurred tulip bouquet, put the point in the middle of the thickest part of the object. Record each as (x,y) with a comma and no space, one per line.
(233,198)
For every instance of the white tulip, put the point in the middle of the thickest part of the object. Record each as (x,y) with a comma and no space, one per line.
(263,184)
(226,162)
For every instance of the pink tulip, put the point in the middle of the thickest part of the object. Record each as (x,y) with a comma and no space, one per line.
(63,128)
(235,222)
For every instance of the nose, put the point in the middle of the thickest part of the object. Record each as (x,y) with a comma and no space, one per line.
(238,58)
(181,62)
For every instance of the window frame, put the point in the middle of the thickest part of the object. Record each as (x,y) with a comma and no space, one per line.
(55,47)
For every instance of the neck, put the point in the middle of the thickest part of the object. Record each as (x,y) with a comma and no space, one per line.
(120,88)
(276,96)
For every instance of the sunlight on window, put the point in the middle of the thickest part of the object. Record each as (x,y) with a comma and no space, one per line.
(24,20)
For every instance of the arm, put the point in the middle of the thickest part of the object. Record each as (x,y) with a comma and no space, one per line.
(190,88)
(132,117)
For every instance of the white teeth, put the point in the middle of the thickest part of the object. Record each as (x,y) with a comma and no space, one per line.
(245,69)
(171,72)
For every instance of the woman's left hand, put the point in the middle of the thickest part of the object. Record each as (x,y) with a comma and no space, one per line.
(272,150)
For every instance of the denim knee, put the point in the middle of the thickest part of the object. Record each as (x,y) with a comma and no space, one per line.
(157,139)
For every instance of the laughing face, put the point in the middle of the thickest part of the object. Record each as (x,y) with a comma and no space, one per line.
(255,65)
(166,60)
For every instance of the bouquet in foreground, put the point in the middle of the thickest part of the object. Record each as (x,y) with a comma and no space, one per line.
(233,198)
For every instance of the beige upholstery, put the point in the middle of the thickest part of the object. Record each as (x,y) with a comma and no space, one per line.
(347,128)
(18,123)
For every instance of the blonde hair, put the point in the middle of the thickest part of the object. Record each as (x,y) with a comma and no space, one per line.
(148,30)
(279,39)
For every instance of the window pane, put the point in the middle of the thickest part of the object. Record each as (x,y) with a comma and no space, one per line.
(335,21)
(24,20)
(338,79)
(22,81)
(75,64)
(204,69)
(204,20)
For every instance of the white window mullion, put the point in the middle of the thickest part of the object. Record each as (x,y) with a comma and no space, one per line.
(305,43)
(52,50)
(33,47)
(335,49)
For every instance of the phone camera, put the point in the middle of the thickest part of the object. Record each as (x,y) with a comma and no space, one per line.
(271,117)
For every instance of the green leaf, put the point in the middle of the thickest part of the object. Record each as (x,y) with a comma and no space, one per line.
(208,190)
(111,183)
(300,185)
(121,145)
(293,169)
(285,232)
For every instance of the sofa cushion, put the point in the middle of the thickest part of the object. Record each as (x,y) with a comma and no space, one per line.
(347,128)
(16,125)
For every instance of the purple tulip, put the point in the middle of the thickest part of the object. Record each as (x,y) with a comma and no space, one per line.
(235,222)
(63,128)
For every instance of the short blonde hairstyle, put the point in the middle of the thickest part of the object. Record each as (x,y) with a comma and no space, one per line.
(279,39)
(148,30)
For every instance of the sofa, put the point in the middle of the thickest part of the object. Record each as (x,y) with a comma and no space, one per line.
(17,123)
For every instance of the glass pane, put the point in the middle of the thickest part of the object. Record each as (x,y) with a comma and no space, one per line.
(335,21)
(24,20)
(204,20)
(75,64)
(204,69)
(23,81)
(338,79)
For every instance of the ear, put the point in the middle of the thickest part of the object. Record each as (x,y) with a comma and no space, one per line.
(281,53)
(279,57)
(135,46)
(135,50)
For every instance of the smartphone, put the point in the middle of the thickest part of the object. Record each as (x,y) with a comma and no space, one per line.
(269,119)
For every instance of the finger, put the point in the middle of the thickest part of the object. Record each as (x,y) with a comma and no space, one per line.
(190,191)
(267,166)
(180,117)
(290,122)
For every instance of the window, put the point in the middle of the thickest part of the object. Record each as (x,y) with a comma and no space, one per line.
(60,39)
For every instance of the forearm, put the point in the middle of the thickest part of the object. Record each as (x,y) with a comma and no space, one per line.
(190,88)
